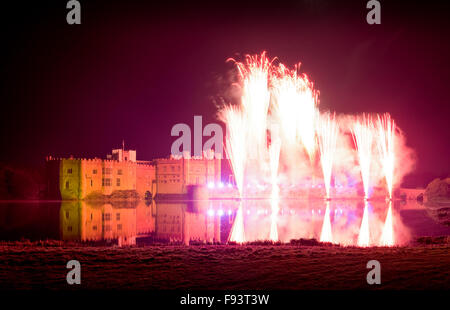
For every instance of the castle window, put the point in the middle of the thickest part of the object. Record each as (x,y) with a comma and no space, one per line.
(106,170)
(67,184)
(94,227)
(92,184)
(119,172)
(106,182)
(67,214)
(106,216)
(119,226)
(69,171)
(117,216)
(118,182)
(94,171)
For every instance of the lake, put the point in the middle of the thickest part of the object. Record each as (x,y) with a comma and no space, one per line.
(210,221)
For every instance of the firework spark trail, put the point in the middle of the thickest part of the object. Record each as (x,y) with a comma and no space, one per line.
(235,142)
(364,234)
(362,133)
(387,237)
(255,100)
(274,158)
(326,234)
(307,117)
(294,102)
(286,102)
(237,233)
(385,144)
(327,130)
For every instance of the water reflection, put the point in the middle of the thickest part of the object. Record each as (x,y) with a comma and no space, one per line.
(347,223)
(128,223)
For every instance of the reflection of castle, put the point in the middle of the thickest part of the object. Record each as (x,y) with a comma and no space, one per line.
(74,178)
(126,221)
(105,222)
(175,223)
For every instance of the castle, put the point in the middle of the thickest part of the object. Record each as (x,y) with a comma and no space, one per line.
(120,173)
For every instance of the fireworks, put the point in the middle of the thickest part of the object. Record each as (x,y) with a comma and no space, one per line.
(363,137)
(327,134)
(385,144)
(295,101)
(255,73)
(236,142)
(286,99)
(286,102)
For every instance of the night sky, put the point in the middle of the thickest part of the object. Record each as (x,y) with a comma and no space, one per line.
(133,69)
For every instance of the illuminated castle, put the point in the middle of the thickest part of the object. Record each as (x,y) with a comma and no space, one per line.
(121,174)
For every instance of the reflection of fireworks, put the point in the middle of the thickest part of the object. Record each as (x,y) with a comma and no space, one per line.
(385,143)
(363,136)
(236,142)
(237,233)
(274,156)
(327,134)
(273,220)
(387,238)
(364,235)
(326,235)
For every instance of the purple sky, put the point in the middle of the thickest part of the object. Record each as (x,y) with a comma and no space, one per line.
(133,70)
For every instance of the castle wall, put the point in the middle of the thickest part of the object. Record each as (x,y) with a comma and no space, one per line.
(175,175)
(145,180)
(170,176)
(92,175)
(80,178)
(70,179)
